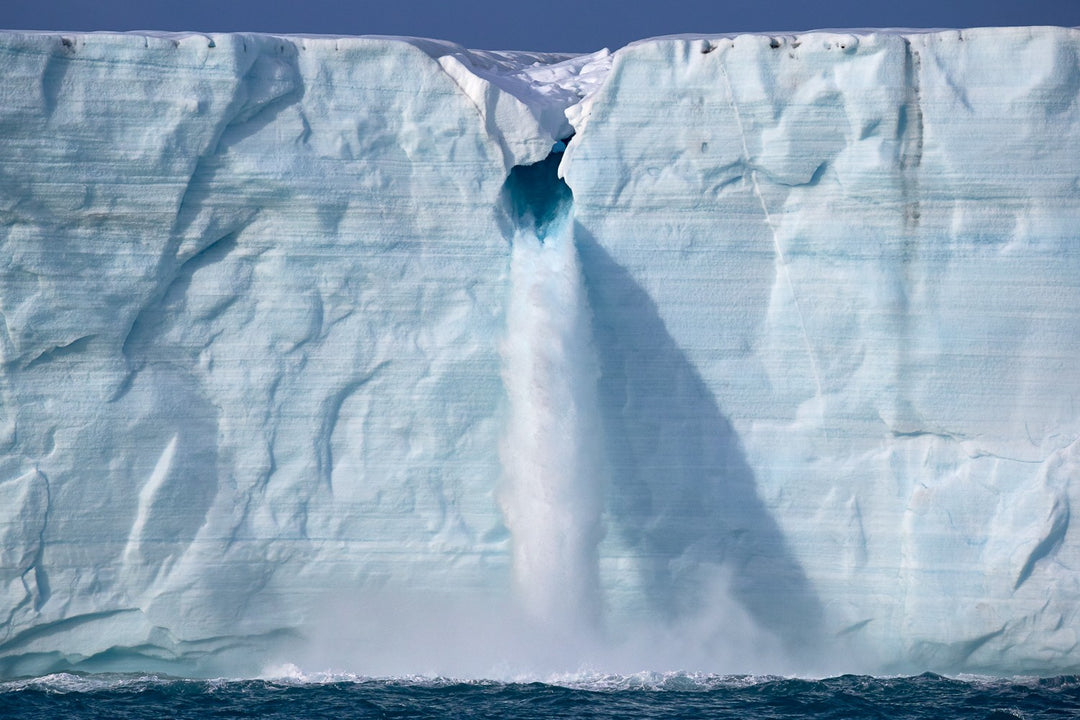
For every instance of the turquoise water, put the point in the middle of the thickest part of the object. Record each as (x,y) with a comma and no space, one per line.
(639,696)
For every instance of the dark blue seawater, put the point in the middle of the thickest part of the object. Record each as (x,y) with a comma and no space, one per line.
(646,696)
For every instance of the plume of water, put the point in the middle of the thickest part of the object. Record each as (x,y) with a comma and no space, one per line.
(551,453)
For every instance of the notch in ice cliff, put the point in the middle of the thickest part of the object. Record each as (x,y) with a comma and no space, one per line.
(528,100)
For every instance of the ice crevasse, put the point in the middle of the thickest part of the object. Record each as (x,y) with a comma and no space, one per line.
(720,353)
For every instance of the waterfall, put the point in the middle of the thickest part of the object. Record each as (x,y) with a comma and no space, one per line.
(552,453)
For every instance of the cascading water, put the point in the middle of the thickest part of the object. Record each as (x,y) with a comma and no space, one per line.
(551,453)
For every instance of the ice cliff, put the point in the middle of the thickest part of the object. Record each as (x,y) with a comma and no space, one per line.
(334,351)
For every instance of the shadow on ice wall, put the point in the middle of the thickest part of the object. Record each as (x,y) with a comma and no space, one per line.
(682,496)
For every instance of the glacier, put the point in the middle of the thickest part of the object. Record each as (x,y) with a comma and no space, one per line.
(720,353)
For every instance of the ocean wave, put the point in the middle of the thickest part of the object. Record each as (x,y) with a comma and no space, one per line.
(80,682)
(288,692)
(592,681)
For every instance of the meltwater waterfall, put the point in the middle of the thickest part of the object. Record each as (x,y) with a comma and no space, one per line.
(551,451)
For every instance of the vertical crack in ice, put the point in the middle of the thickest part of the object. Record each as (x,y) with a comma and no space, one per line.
(910,134)
(909,139)
(775,239)
(553,494)
(1054,526)
(41,580)
(1051,540)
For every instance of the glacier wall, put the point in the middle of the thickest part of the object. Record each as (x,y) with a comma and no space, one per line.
(323,350)
(839,302)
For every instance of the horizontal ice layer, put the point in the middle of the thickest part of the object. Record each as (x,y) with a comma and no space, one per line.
(254,288)
(834,281)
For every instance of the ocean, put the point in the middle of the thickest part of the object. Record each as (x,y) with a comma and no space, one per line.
(649,695)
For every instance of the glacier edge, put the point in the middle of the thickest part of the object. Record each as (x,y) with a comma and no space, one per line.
(251,377)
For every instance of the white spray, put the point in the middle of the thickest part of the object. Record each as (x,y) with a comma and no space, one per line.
(552,455)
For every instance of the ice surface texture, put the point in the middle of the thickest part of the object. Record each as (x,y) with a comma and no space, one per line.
(262,343)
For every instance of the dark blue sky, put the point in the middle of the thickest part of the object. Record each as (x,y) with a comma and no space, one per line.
(578,25)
